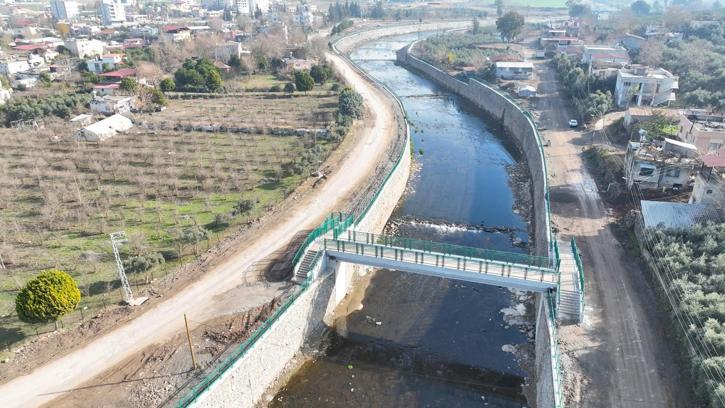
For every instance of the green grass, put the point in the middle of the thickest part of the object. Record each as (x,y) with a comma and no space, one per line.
(59,200)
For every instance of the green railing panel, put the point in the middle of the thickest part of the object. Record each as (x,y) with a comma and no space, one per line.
(451,249)
(580,271)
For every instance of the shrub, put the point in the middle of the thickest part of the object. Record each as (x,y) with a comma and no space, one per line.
(350,103)
(304,81)
(289,87)
(143,263)
(167,85)
(47,297)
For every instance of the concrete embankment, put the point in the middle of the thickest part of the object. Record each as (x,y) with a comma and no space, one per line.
(297,329)
(520,125)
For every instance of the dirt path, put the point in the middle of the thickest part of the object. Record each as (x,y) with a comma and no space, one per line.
(620,356)
(208,297)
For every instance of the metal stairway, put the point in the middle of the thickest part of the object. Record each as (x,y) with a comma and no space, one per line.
(570,293)
(305,265)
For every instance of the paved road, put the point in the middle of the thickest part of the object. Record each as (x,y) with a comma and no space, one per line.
(204,298)
(623,357)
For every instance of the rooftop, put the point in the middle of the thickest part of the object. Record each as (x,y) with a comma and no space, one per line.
(514,64)
(121,73)
(642,71)
(715,159)
(676,215)
(669,151)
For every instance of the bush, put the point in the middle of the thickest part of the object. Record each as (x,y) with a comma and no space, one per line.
(304,81)
(289,87)
(47,297)
(142,263)
(167,85)
(321,73)
(275,88)
(32,107)
(198,75)
(350,103)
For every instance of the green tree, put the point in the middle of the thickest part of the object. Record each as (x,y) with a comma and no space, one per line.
(167,85)
(321,73)
(510,25)
(578,10)
(45,78)
(129,85)
(47,297)
(640,8)
(595,105)
(350,103)
(303,81)
(289,87)
(142,263)
(476,28)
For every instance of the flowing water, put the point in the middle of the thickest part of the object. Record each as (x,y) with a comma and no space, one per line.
(424,341)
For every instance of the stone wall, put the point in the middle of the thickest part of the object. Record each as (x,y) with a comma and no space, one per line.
(516,123)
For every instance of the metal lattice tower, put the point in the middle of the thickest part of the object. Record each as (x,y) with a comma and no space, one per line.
(118,238)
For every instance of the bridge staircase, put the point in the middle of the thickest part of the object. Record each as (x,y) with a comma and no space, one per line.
(570,297)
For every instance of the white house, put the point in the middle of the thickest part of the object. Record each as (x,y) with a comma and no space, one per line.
(596,56)
(644,86)
(225,51)
(11,67)
(83,48)
(104,129)
(660,165)
(710,180)
(109,105)
(514,70)
(98,64)
(706,130)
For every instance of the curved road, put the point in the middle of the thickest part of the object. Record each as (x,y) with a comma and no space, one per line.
(201,299)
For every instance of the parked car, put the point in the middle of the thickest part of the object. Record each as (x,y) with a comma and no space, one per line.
(573,123)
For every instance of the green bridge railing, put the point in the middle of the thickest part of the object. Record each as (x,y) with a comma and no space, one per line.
(540,262)
(580,272)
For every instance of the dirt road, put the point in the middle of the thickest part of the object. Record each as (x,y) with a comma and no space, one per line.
(620,354)
(209,296)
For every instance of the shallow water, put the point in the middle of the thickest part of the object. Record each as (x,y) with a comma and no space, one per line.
(424,341)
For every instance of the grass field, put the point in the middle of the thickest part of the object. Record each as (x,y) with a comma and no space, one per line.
(59,199)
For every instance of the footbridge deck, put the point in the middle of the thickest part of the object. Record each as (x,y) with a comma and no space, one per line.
(470,264)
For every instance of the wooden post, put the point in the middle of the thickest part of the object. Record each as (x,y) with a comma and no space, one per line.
(191,348)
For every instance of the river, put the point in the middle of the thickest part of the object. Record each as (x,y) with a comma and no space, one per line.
(424,341)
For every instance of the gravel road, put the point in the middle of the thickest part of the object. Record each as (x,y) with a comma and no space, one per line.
(203,299)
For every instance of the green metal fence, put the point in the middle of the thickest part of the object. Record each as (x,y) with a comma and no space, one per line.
(541,262)
(332,222)
(557,370)
(580,271)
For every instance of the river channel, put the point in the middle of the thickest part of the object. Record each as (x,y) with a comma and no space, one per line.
(422,341)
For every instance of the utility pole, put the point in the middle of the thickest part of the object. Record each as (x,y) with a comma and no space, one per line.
(191,348)
(118,238)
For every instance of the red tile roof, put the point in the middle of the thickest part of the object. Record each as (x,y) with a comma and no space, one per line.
(715,159)
(121,73)
(31,47)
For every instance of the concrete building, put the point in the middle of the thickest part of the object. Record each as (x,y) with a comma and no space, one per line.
(109,105)
(703,129)
(304,15)
(99,64)
(660,165)
(176,33)
(83,48)
(112,12)
(639,114)
(631,41)
(595,56)
(514,70)
(63,10)
(104,129)
(709,185)
(12,66)
(5,95)
(224,52)
(643,86)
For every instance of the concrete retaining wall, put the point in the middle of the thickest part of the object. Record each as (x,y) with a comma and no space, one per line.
(516,124)
(299,329)
(545,388)
(354,39)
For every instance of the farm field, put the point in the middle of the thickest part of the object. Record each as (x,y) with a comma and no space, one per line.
(173,192)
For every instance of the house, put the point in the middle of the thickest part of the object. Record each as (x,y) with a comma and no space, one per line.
(709,185)
(673,215)
(222,67)
(11,66)
(224,52)
(660,165)
(703,129)
(106,89)
(83,48)
(133,43)
(304,15)
(639,114)
(631,41)
(526,91)
(644,86)
(99,64)
(176,33)
(595,56)
(82,120)
(104,129)
(24,81)
(118,75)
(514,70)
(108,105)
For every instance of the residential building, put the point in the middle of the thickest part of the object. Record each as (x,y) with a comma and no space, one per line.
(63,10)
(175,33)
(673,215)
(106,89)
(241,6)
(108,105)
(225,51)
(112,12)
(705,130)
(709,185)
(24,81)
(101,63)
(595,56)
(639,114)
(84,48)
(104,129)
(82,120)
(133,43)
(5,95)
(644,86)
(514,70)
(118,75)
(304,15)
(660,165)
(11,66)
(631,41)
(262,5)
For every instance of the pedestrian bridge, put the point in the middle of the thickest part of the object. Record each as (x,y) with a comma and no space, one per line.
(336,239)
